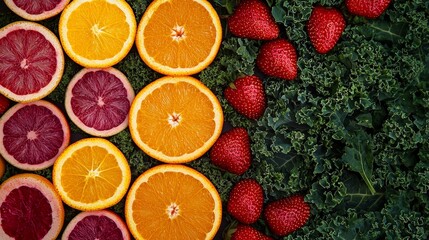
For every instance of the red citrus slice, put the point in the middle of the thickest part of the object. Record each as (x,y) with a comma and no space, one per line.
(30,208)
(31,61)
(102,224)
(36,10)
(32,135)
(98,101)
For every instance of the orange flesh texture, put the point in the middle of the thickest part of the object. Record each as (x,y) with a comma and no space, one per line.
(96,170)
(193,217)
(176,43)
(194,113)
(114,30)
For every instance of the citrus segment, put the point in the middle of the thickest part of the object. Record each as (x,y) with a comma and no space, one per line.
(97,33)
(2,166)
(32,135)
(91,174)
(179,37)
(30,208)
(175,119)
(102,224)
(31,61)
(98,101)
(173,202)
(36,10)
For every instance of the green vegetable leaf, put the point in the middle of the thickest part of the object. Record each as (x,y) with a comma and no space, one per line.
(358,196)
(359,158)
(384,31)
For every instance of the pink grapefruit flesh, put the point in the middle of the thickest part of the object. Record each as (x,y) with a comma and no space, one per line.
(32,135)
(36,10)
(31,61)
(102,224)
(98,101)
(30,208)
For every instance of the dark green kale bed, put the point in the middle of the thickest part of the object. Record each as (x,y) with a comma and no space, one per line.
(351,132)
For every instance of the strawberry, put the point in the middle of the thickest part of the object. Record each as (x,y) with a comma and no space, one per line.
(252,19)
(367,8)
(245,201)
(245,232)
(4,104)
(277,58)
(325,27)
(287,214)
(247,96)
(231,151)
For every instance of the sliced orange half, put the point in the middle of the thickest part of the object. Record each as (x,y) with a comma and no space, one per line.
(179,37)
(97,33)
(175,119)
(91,174)
(172,201)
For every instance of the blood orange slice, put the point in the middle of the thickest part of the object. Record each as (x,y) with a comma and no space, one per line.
(36,10)
(32,135)
(98,101)
(31,61)
(102,224)
(30,208)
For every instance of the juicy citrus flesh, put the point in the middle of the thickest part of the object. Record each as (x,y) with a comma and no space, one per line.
(179,37)
(43,217)
(101,224)
(172,201)
(97,33)
(2,166)
(36,10)
(91,174)
(175,119)
(98,101)
(33,135)
(32,61)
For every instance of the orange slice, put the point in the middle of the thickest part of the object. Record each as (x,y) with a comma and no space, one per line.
(97,33)
(175,119)
(91,174)
(179,37)
(173,202)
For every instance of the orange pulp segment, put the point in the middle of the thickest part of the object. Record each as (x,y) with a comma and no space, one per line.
(172,201)
(175,119)
(97,33)
(91,174)
(179,37)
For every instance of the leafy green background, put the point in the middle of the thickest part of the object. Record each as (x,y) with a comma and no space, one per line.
(351,132)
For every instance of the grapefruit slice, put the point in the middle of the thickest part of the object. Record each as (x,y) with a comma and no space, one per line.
(102,224)
(36,10)
(32,135)
(31,61)
(98,101)
(30,208)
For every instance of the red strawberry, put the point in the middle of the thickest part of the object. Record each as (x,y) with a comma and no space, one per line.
(4,104)
(231,151)
(277,58)
(252,19)
(245,232)
(367,8)
(247,96)
(245,201)
(287,214)
(325,27)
